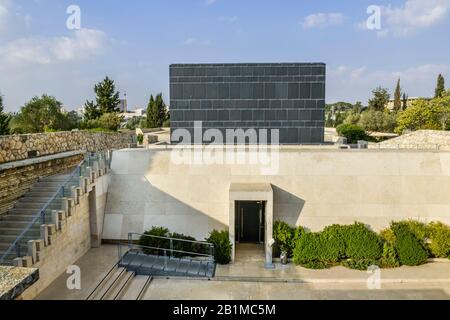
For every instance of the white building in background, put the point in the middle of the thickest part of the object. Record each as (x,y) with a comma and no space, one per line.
(409,102)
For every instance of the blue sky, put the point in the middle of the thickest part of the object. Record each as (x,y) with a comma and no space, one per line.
(135,41)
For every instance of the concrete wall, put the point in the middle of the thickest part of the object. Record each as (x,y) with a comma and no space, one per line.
(313,188)
(74,238)
(20,147)
(16,178)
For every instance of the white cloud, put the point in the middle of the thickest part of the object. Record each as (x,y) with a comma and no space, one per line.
(228,19)
(193,41)
(82,44)
(210,2)
(346,83)
(410,17)
(322,20)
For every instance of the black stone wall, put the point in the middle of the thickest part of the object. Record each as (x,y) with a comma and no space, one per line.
(285,96)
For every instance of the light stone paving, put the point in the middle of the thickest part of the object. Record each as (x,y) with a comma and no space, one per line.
(249,280)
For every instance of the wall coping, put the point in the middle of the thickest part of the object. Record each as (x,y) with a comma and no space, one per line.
(27,162)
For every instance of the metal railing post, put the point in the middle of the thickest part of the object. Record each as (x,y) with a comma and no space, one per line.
(171,247)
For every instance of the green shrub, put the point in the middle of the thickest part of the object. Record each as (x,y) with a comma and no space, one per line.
(410,250)
(439,239)
(140,138)
(388,236)
(183,245)
(312,250)
(155,242)
(316,265)
(222,246)
(335,239)
(283,234)
(389,258)
(361,264)
(352,132)
(362,243)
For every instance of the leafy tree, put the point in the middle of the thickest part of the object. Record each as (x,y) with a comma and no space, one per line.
(378,121)
(4,119)
(404,101)
(107,122)
(152,113)
(161,109)
(432,115)
(40,114)
(397,97)
(380,99)
(440,87)
(107,97)
(91,111)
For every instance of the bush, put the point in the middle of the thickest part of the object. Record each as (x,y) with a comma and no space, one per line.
(222,246)
(378,121)
(410,250)
(335,239)
(310,251)
(283,234)
(388,236)
(352,132)
(440,239)
(155,242)
(361,264)
(182,245)
(362,243)
(140,138)
(389,258)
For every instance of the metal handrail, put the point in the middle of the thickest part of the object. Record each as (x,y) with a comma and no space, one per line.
(39,215)
(171,240)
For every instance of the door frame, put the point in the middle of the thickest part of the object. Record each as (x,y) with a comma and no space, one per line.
(239,222)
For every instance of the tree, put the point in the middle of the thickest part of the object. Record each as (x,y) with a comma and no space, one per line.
(40,114)
(152,113)
(107,97)
(4,119)
(162,110)
(378,121)
(440,87)
(404,102)
(91,111)
(380,99)
(397,97)
(422,115)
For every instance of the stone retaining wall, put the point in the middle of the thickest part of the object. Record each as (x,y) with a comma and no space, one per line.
(21,147)
(422,139)
(17,180)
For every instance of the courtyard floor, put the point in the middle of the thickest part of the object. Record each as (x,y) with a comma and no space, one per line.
(248,279)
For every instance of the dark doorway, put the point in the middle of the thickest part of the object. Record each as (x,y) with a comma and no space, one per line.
(250,221)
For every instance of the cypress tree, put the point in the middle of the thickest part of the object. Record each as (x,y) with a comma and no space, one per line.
(397,97)
(4,120)
(440,87)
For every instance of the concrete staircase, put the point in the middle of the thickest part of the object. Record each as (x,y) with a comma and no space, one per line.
(25,210)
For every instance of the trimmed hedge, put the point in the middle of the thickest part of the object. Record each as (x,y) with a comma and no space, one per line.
(439,239)
(410,249)
(362,243)
(352,132)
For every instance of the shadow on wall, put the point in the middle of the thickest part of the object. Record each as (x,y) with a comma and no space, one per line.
(135,205)
(286,206)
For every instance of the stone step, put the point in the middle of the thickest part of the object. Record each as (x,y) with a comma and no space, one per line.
(4,246)
(17,217)
(15,224)
(30,211)
(17,231)
(57,178)
(39,194)
(39,203)
(44,189)
(12,238)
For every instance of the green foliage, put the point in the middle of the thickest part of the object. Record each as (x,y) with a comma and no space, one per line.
(410,250)
(91,111)
(389,258)
(4,120)
(155,242)
(42,114)
(380,99)
(335,238)
(439,239)
(107,121)
(440,87)
(156,112)
(311,250)
(107,97)
(140,138)
(423,114)
(283,234)
(359,264)
(362,243)
(378,121)
(388,236)
(398,97)
(222,246)
(185,246)
(353,133)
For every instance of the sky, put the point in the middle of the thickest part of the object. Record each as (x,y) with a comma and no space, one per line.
(134,42)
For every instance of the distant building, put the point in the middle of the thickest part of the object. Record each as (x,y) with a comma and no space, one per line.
(409,102)
(123,106)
